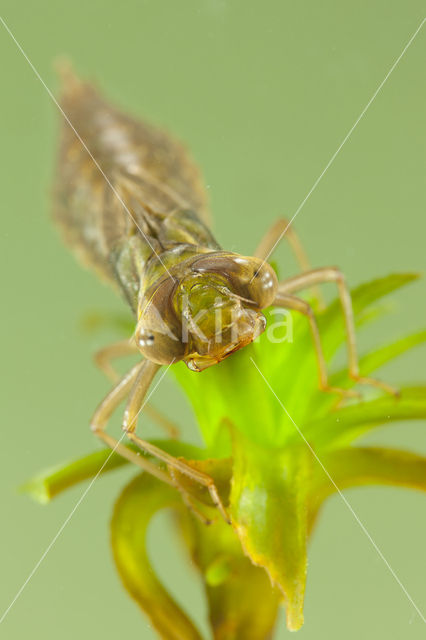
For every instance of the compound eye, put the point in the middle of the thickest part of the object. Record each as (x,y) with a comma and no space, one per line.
(158,346)
(249,277)
(158,332)
(146,339)
(262,286)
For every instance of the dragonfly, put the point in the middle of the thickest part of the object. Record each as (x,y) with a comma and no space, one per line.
(130,203)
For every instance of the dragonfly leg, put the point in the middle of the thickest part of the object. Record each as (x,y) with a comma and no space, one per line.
(333,274)
(188,500)
(118,349)
(283,230)
(121,349)
(140,387)
(102,415)
(297,304)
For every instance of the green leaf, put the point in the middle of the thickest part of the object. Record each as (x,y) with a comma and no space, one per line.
(276,488)
(358,466)
(137,504)
(242,602)
(298,389)
(344,425)
(376,359)
(373,290)
(269,514)
(331,322)
(45,486)
(231,389)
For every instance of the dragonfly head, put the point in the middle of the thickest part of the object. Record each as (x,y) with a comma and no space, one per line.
(210,308)
(220,303)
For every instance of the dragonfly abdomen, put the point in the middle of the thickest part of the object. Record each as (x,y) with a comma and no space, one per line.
(118,178)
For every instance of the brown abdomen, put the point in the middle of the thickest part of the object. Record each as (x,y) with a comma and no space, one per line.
(116,177)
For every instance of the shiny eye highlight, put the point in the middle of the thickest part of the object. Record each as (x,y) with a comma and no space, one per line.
(262,286)
(160,347)
(146,341)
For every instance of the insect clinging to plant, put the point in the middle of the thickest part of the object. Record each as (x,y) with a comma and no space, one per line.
(131,204)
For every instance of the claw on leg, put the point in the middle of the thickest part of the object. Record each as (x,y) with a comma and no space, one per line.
(378,384)
(131,413)
(184,468)
(344,393)
(188,499)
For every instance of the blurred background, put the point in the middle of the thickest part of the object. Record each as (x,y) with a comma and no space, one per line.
(263,93)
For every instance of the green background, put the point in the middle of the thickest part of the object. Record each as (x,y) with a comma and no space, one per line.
(263,93)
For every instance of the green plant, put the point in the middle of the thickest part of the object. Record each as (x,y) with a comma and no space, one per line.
(277,447)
